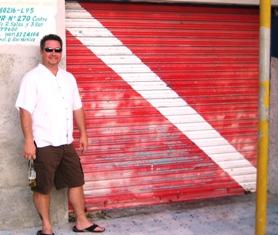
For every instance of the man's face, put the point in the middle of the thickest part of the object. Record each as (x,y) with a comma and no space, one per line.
(52,53)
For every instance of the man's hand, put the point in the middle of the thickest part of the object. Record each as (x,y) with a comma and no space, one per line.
(83,143)
(80,121)
(29,149)
(26,125)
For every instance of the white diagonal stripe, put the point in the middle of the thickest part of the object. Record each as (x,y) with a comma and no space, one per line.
(130,68)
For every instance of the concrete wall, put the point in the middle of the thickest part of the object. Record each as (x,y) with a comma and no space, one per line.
(273,150)
(273,158)
(16,58)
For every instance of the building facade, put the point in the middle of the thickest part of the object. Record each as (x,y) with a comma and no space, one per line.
(170,92)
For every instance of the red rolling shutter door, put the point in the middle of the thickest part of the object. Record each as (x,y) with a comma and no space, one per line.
(170,94)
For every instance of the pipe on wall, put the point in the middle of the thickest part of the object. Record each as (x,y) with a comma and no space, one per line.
(262,168)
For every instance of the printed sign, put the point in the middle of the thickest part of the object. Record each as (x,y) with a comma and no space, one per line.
(25,24)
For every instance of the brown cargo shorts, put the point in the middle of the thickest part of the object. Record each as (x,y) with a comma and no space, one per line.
(59,166)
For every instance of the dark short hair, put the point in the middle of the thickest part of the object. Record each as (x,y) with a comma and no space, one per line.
(50,37)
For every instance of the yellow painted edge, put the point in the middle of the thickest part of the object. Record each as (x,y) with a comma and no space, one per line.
(261,200)
(266,99)
(264,129)
(262,164)
(265,16)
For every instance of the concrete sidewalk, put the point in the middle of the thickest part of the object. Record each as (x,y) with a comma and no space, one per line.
(225,216)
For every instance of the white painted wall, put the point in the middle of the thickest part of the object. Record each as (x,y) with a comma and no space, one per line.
(19,53)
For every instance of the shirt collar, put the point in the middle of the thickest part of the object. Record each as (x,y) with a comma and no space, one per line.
(44,68)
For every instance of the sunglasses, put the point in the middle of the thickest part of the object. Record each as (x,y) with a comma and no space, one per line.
(49,49)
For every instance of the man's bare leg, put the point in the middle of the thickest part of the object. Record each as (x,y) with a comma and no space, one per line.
(76,198)
(42,204)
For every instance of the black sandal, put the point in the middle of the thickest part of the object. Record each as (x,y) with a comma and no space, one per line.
(91,229)
(41,233)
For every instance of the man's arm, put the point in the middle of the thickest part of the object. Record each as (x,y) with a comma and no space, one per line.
(26,125)
(79,118)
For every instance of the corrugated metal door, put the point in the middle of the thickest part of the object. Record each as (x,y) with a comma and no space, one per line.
(171,94)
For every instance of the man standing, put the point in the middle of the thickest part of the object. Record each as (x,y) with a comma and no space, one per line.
(48,102)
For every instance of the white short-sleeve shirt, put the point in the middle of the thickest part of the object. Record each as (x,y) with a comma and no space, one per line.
(51,101)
